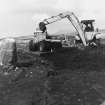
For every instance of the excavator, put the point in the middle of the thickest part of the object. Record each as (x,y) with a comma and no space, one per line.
(43,42)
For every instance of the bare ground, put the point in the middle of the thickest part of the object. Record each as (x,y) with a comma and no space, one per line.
(66,77)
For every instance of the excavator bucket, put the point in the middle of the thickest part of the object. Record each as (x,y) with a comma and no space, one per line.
(8,53)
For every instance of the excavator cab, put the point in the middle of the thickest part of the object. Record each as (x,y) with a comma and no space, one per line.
(88,25)
(89,30)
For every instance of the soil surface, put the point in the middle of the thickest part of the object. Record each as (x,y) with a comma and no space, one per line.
(66,77)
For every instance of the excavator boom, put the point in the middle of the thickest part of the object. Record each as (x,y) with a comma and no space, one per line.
(72,18)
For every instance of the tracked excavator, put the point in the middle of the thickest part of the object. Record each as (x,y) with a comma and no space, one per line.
(43,42)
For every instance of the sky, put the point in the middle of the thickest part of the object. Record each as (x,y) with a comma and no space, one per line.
(19,17)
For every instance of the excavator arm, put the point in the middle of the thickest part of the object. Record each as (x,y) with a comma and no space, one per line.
(71,17)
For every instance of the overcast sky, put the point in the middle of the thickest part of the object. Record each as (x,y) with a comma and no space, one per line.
(18,17)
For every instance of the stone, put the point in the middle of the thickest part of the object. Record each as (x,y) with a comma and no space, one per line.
(8,52)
